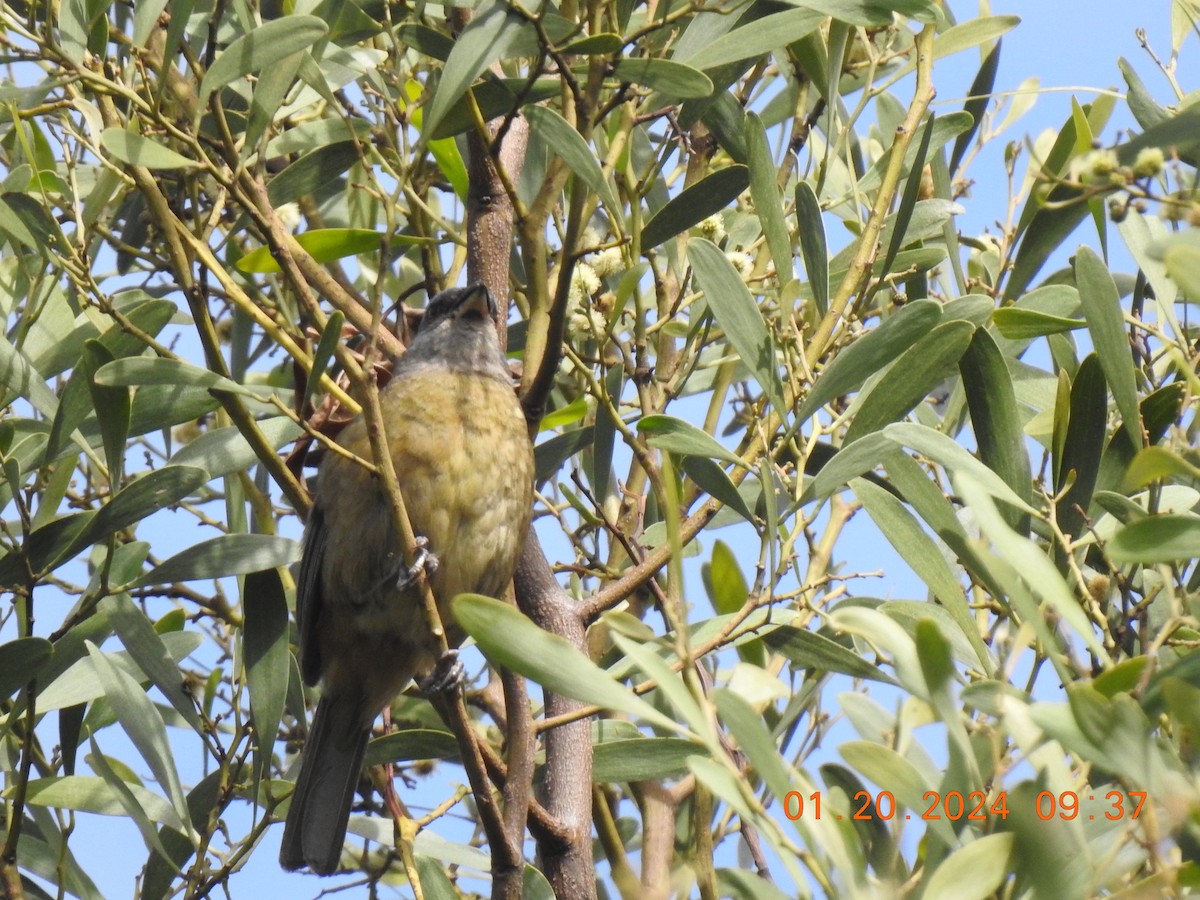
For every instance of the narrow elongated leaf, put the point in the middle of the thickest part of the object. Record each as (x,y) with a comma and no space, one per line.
(412,744)
(486,39)
(1156,539)
(20,661)
(223,450)
(142,722)
(713,480)
(870,353)
(918,549)
(925,365)
(312,171)
(569,145)
(908,201)
(768,205)
(813,248)
(219,557)
(738,314)
(752,736)
(821,654)
(90,793)
(137,150)
(18,375)
(771,32)
(510,639)
(147,649)
(1019,324)
(269,43)
(978,98)
(1079,461)
(113,409)
(892,772)
(706,197)
(642,759)
(995,420)
(954,457)
(1106,323)
(972,872)
(678,436)
(158,370)
(72,679)
(323,244)
(665,76)
(267,658)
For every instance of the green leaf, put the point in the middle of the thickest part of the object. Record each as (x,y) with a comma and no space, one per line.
(1018,324)
(925,365)
(1106,323)
(821,654)
(739,316)
(665,76)
(923,556)
(267,658)
(113,409)
(1156,539)
(714,481)
(1079,458)
(890,771)
(219,557)
(995,420)
(412,744)
(768,205)
(694,204)
(324,245)
(972,872)
(267,44)
(148,650)
(18,375)
(140,370)
(20,662)
(495,98)
(134,149)
(510,639)
(756,38)
(486,39)
(569,145)
(89,793)
(954,458)
(72,678)
(752,736)
(669,683)
(144,725)
(854,364)
(813,247)
(978,97)
(677,436)
(903,217)
(642,759)
(224,450)
(1153,464)
(312,171)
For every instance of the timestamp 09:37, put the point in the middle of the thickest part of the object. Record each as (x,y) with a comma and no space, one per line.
(975,806)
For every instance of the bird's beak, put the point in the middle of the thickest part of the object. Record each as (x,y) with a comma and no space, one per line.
(478,301)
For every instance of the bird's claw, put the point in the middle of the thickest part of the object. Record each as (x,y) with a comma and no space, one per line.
(447,675)
(424,565)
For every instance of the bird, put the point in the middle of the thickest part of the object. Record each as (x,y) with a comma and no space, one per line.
(461,450)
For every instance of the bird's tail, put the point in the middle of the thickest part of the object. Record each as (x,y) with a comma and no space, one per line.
(329,771)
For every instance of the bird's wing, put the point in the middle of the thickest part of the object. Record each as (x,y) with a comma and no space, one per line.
(309,594)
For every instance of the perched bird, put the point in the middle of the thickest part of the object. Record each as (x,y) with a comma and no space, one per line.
(463,457)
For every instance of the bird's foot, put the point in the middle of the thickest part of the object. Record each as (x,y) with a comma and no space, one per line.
(424,565)
(447,675)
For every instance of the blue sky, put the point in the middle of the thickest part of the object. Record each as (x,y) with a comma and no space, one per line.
(1071,45)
